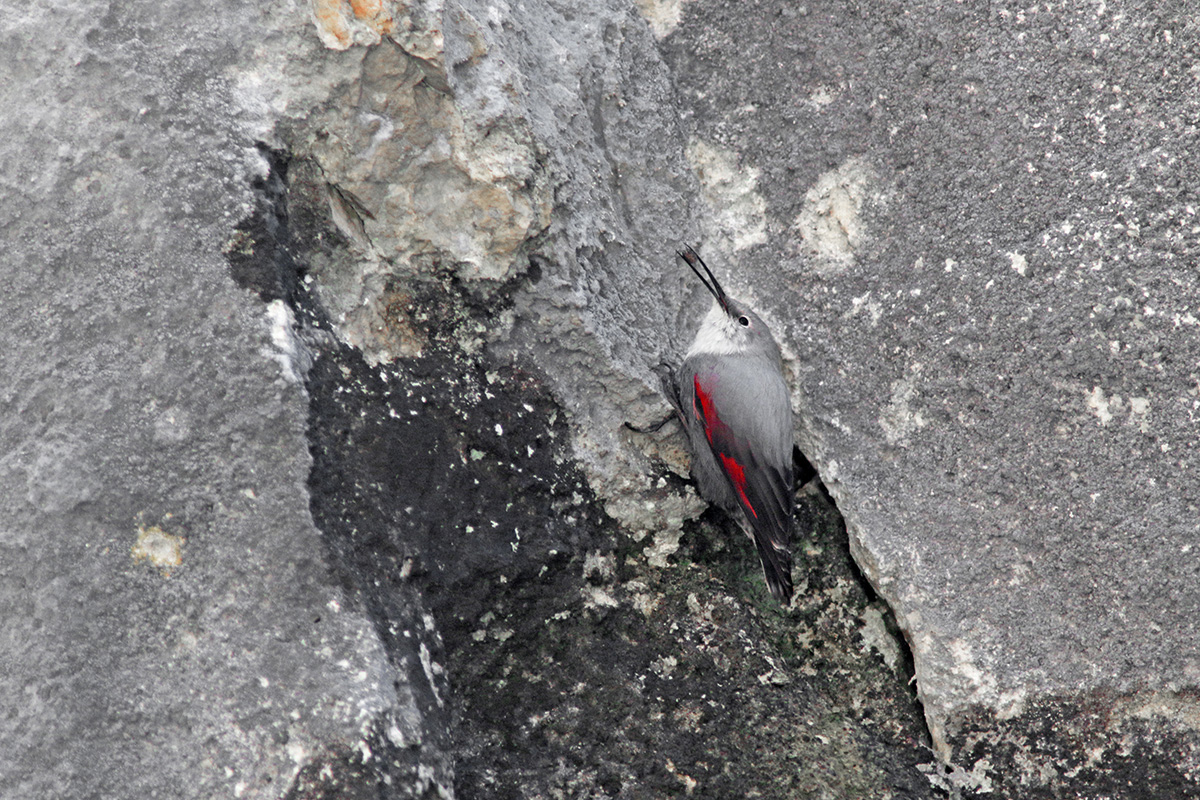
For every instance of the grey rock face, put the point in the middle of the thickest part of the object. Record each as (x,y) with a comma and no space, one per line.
(981,229)
(171,626)
(322,325)
(450,164)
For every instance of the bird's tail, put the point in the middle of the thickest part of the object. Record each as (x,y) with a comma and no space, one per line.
(777,569)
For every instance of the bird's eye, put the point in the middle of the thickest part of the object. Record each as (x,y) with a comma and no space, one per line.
(744,321)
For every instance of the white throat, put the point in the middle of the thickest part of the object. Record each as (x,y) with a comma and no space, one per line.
(718,335)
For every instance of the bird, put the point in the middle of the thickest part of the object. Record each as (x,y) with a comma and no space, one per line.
(732,400)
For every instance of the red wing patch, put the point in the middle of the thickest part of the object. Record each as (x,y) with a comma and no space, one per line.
(737,476)
(707,413)
(719,438)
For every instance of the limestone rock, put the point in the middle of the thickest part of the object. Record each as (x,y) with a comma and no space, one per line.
(172,626)
(324,323)
(993,351)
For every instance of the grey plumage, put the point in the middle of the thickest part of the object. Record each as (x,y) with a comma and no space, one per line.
(734,404)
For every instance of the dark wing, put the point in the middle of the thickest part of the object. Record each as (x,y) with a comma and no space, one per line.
(670,388)
(764,489)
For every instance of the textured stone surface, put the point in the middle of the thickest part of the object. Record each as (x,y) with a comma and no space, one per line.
(996,361)
(583,659)
(973,229)
(171,625)
(433,173)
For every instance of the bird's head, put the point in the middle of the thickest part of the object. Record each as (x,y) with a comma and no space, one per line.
(730,327)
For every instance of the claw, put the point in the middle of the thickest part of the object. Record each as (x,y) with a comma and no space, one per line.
(655,428)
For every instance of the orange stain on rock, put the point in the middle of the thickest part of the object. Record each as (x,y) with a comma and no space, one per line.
(366,9)
(342,23)
(328,17)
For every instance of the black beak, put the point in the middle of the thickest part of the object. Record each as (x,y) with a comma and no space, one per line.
(693,258)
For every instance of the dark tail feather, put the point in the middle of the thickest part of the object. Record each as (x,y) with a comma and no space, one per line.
(777,569)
